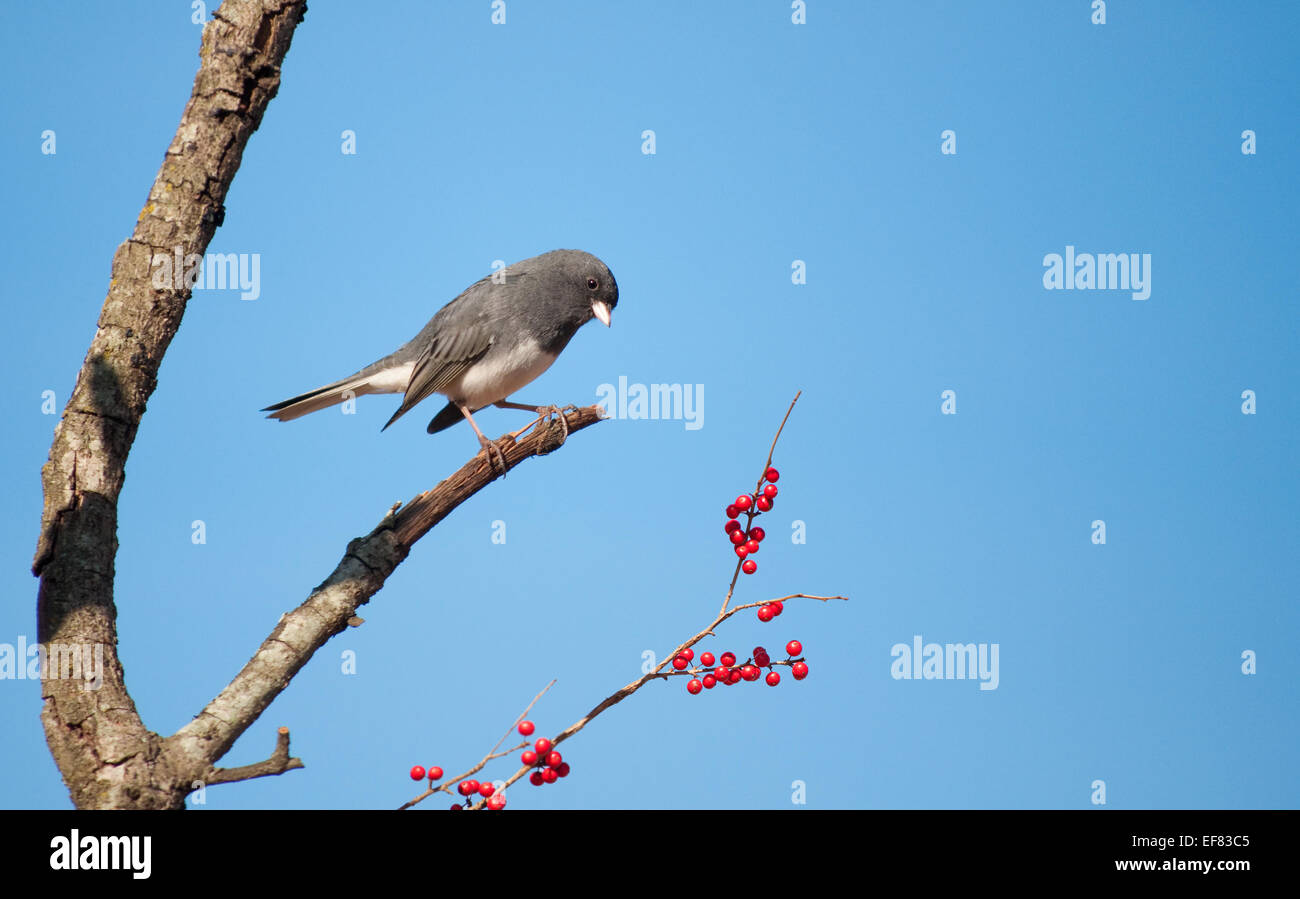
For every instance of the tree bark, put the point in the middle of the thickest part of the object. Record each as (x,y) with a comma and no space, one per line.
(107,756)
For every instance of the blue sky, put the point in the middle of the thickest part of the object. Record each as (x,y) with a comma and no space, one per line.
(774,142)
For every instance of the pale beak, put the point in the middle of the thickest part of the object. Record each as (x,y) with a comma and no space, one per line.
(603,312)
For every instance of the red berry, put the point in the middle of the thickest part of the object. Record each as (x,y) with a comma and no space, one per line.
(536,778)
(435,773)
(733,677)
(710,681)
(732,511)
(497,802)
(529,758)
(770,491)
(486,789)
(543,746)
(799,670)
(751,546)
(737,538)
(749,672)
(466,787)
(749,567)
(764,504)
(777,607)
(554,759)
(720,672)
(706,659)
(550,775)
(733,525)
(526,728)
(563,770)
(457,807)
(757,534)
(744,502)
(766,614)
(680,664)
(772,475)
(694,686)
(417,773)
(761,658)
(687,653)
(728,659)
(794,648)
(773,678)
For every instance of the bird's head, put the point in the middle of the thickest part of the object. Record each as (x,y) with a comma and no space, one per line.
(585,282)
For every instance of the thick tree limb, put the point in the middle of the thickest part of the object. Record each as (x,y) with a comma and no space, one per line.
(107,757)
(360,574)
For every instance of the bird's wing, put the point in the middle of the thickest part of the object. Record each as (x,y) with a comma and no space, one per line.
(442,363)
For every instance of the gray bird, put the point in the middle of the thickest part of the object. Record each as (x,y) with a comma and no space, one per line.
(493,339)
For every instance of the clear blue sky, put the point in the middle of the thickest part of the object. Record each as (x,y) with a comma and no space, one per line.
(775,142)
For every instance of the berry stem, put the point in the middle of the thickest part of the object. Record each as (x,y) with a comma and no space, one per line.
(450,782)
(751,512)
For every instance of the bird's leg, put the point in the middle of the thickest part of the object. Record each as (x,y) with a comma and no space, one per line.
(488,446)
(542,412)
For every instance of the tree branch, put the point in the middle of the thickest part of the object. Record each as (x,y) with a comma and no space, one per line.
(360,574)
(278,763)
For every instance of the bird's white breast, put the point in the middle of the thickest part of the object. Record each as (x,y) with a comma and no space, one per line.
(497,376)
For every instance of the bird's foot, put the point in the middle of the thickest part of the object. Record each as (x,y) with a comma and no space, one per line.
(564,421)
(494,454)
(544,413)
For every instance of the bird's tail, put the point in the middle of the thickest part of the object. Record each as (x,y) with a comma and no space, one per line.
(321,398)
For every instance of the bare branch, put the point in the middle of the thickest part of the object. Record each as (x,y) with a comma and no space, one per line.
(360,574)
(278,763)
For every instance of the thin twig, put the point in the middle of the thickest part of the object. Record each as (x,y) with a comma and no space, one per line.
(752,511)
(445,785)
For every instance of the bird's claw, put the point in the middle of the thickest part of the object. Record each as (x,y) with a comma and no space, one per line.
(564,421)
(546,412)
(491,448)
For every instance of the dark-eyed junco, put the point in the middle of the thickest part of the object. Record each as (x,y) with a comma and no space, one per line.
(490,341)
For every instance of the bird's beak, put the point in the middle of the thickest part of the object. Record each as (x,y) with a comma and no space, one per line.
(603,312)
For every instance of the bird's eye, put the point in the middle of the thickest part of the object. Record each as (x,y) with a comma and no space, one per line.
(592,283)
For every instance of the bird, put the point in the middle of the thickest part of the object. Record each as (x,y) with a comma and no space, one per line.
(495,338)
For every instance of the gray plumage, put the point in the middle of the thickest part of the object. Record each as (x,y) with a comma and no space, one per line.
(493,339)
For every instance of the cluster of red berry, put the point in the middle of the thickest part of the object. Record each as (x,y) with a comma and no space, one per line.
(470,788)
(728,672)
(495,800)
(550,765)
(744,537)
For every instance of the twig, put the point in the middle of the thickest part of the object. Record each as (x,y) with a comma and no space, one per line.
(623,693)
(278,763)
(752,511)
(444,786)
